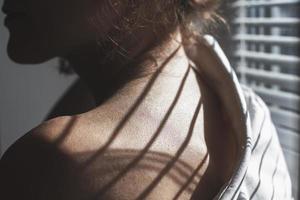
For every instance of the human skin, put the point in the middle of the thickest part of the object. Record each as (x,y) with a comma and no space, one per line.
(156,116)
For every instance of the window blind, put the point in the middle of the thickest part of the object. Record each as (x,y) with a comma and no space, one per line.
(265,38)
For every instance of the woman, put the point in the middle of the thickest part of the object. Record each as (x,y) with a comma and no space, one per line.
(170,120)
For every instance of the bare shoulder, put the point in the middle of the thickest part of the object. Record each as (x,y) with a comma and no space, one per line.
(38,167)
(39,140)
(34,165)
(45,133)
(53,128)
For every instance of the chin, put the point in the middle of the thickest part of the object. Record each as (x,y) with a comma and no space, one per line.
(25,54)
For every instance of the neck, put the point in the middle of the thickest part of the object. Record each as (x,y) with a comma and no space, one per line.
(106,74)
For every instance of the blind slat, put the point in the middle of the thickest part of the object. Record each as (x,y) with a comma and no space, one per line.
(268,57)
(286,119)
(268,39)
(289,139)
(288,82)
(279,98)
(264,3)
(268,21)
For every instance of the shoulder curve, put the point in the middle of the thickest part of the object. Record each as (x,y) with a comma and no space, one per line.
(53,127)
(39,136)
(38,140)
(32,161)
(47,130)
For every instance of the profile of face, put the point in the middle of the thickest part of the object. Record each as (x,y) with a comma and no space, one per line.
(41,30)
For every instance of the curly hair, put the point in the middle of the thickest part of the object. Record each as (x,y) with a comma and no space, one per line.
(162,17)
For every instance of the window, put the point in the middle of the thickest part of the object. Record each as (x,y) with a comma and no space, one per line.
(266,57)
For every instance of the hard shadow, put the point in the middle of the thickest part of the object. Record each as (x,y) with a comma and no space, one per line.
(133,108)
(148,145)
(179,152)
(69,171)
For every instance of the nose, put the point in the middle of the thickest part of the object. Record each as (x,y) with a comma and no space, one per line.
(12,7)
(3,9)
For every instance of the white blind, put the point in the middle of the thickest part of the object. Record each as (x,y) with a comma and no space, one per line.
(266,57)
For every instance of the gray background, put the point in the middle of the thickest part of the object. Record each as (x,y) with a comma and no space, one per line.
(26,93)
